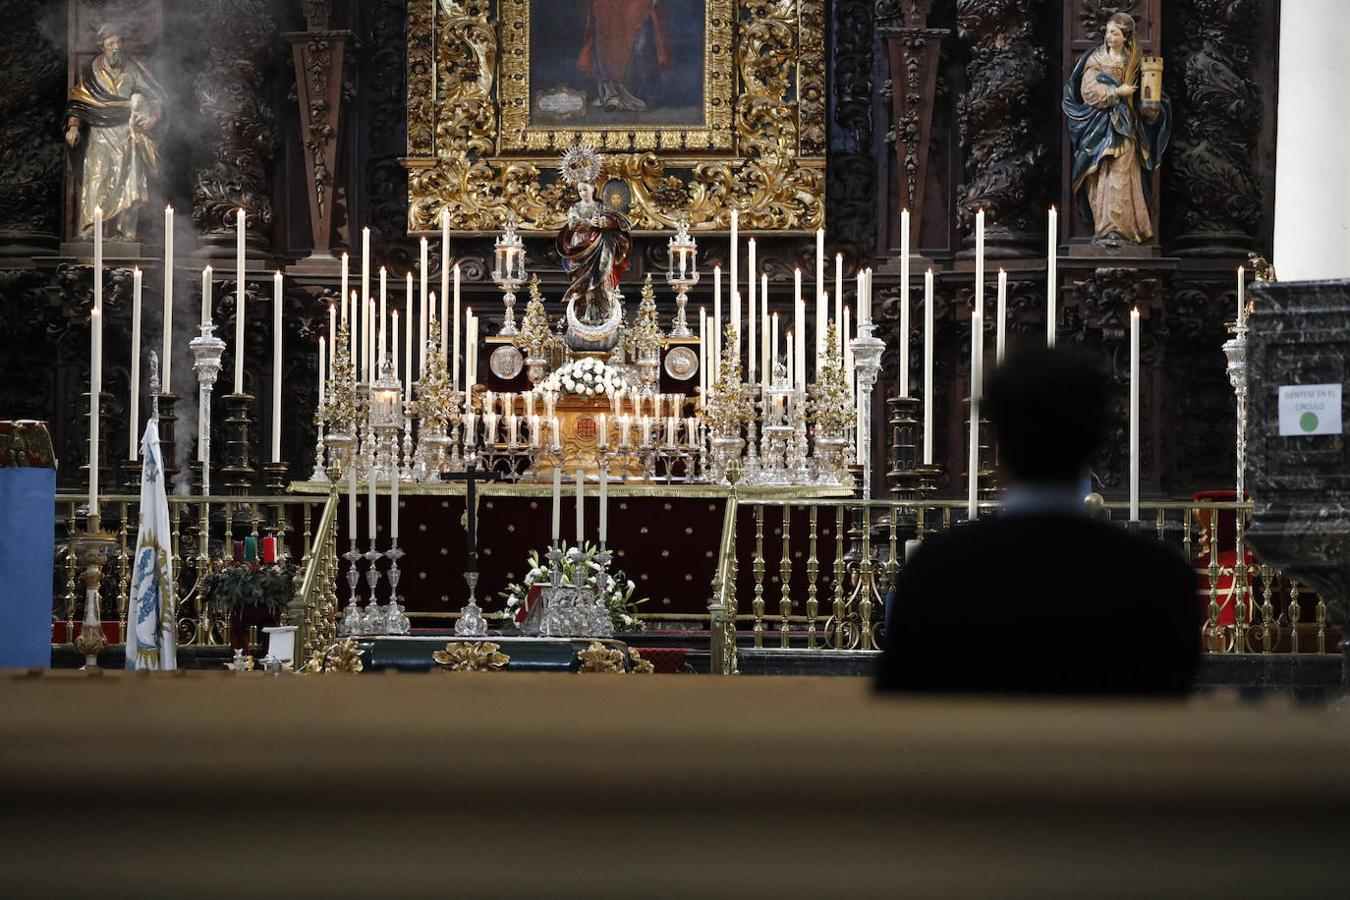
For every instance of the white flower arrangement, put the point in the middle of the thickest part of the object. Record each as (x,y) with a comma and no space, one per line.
(619,588)
(585,377)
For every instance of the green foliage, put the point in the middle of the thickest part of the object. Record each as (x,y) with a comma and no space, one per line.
(251,584)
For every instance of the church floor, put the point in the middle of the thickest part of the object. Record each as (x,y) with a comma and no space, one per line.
(210,784)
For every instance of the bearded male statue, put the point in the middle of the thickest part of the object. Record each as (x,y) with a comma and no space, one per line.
(117,102)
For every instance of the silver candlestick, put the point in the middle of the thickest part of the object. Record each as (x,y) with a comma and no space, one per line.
(682,274)
(351,616)
(1235,349)
(206,352)
(373,621)
(867,350)
(395,620)
(509,272)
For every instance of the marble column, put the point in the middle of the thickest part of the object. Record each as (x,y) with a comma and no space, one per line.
(1300,328)
(1312,181)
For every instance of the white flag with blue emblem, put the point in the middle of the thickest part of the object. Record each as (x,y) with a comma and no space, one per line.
(151,633)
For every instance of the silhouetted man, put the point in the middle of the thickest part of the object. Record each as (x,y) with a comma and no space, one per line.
(1042,598)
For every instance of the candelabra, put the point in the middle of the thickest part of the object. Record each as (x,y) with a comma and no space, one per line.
(92,549)
(339,411)
(728,409)
(471,622)
(386,414)
(600,623)
(776,430)
(436,404)
(207,350)
(682,274)
(509,271)
(1235,349)
(867,350)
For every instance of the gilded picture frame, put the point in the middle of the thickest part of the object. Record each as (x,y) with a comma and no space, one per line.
(478,145)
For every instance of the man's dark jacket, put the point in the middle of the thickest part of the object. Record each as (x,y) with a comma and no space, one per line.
(1043,604)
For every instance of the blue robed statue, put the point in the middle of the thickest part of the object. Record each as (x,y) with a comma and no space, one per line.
(1118,137)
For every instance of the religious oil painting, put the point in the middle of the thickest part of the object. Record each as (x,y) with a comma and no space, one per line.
(630,74)
(617,63)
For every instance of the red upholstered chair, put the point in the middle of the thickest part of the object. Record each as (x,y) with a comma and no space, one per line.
(1221,526)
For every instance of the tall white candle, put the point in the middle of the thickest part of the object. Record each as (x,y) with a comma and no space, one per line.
(735,268)
(166,343)
(846,337)
(371,481)
(351,503)
(1242,298)
(976,385)
(1134,415)
(702,354)
(735,320)
(206,294)
(393,506)
(367,352)
(352,339)
(928,387)
(332,333)
(384,313)
(95,360)
(765,358)
(323,369)
(365,264)
(471,360)
(791,358)
(423,335)
(276,367)
(581,508)
(979,262)
(346,285)
(239,302)
(904,303)
(773,341)
(394,340)
(422,270)
(408,342)
(752,311)
(557,503)
(604,509)
(839,289)
(1051,277)
(715,350)
(799,328)
(1000,334)
(865,304)
(820,260)
(132,436)
(445,338)
(445,293)
(455,337)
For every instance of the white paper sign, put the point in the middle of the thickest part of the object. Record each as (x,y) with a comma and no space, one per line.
(1308,409)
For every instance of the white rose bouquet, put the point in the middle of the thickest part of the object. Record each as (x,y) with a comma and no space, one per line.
(586,377)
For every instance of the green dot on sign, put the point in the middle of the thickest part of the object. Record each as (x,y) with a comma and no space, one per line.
(1308,421)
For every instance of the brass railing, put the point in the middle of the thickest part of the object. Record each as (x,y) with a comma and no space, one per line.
(852,552)
(203,529)
(314,609)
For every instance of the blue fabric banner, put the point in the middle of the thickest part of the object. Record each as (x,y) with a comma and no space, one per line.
(27,551)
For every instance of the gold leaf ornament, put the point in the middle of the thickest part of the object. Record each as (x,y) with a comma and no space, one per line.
(464,656)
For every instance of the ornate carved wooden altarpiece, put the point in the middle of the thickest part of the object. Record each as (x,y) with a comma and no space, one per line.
(475,148)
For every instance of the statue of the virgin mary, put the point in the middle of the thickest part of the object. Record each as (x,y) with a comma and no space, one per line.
(594,246)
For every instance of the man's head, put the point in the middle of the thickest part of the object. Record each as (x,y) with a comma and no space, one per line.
(1048,408)
(110,42)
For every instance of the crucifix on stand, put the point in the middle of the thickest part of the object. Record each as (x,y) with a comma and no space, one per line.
(471,622)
